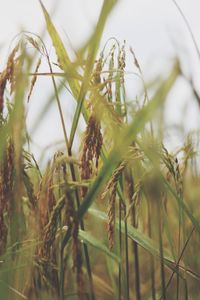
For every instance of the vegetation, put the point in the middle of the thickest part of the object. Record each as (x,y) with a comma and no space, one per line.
(116,219)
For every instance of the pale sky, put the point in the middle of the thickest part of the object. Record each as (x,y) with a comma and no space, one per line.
(154,28)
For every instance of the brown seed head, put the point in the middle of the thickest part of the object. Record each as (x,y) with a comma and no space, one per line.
(7,75)
(111,187)
(92,144)
(33,81)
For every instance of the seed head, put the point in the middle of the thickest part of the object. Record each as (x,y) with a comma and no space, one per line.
(92,144)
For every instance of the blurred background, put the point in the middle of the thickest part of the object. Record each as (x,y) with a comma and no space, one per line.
(154,29)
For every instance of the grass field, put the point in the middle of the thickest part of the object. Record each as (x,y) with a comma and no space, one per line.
(116,217)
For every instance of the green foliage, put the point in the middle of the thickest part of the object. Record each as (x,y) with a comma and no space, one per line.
(117,218)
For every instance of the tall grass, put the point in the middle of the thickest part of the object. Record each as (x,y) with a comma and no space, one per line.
(116,219)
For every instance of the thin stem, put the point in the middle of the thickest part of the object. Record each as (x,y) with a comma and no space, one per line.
(120,254)
(58,103)
(188,27)
(153,289)
(134,244)
(76,191)
(178,261)
(87,259)
(127,257)
(179,247)
(162,269)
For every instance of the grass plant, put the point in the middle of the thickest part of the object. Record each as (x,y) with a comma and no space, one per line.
(117,218)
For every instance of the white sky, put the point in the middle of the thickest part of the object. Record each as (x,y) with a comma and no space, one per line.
(154,29)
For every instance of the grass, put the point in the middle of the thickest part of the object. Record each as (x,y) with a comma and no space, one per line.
(116,219)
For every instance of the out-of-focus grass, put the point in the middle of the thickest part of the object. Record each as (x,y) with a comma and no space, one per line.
(117,219)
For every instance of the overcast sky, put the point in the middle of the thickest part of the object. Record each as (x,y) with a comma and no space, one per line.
(149,23)
(154,28)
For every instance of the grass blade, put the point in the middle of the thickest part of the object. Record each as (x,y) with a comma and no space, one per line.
(87,238)
(63,57)
(125,139)
(92,51)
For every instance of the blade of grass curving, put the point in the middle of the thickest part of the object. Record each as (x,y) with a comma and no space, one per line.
(178,261)
(179,199)
(71,74)
(133,233)
(107,7)
(125,139)
(87,238)
(61,52)
(182,204)
(92,51)
(148,244)
(67,66)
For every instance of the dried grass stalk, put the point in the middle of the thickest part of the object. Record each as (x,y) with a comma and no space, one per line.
(7,75)
(33,81)
(46,271)
(111,188)
(92,145)
(6,191)
(72,222)
(45,198)
(51,228)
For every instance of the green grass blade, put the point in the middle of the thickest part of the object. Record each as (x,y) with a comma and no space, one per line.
(133,233)
(128,134)
(61,52)
(148,244)
(87,238)
(183,206)
(92,51)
